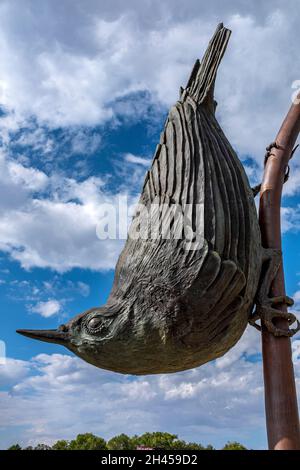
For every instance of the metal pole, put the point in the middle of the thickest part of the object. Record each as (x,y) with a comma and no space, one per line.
(280,390)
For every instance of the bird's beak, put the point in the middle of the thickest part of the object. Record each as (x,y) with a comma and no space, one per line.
(59,336)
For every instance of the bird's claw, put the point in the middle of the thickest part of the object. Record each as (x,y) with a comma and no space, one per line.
(266,313)
(256,190)
(269,149)
(269,153)
(287,174)
(294,150)
(272,145)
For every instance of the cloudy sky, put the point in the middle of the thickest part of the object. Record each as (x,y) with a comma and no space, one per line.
(85,86)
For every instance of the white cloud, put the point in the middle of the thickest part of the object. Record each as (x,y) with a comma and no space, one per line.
(296,307)
(83,288)
(12,371)
(72,75)
(70,72)
(292,186)
(297,296)
(83,143)
(56,229)
(46,297)
(290,219)
(67,75)
(29,178)
(130,158)
(47,309)
(37,138)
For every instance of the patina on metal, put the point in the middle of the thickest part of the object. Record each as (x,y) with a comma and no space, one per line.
(179,302)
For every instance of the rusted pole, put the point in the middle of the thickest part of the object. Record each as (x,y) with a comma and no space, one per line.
(280,390)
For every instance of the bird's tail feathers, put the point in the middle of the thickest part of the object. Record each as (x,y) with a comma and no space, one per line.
(200,85)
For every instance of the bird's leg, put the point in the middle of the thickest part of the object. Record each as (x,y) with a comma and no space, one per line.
(269,148)
(256,190)
(264,305)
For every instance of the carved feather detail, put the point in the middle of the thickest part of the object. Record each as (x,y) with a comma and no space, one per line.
(213,286)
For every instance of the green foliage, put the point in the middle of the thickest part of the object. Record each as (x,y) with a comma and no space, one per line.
(42,447)
(15,447)
(121,442)
(166,441)
(87,442)
(162,440)
(234,446)
(183,445)
(210,447)
(155,440)
(61,445)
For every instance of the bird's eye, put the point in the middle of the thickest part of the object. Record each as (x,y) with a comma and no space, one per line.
(98,325)
(94,323)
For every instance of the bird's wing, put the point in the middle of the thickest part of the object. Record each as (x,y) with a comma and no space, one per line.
(173,196)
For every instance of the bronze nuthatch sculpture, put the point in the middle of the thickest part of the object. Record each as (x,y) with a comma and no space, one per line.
(178,302)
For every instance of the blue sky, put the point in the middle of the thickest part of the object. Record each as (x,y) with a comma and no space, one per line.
(85,87)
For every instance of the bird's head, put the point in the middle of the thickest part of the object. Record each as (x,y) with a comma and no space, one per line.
(95,335)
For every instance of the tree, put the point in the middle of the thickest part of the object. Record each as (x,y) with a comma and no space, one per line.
(87,441)
(155,440)
(210,447)
(121,442)
(234,446)
(161,440)
(42,447)
(15,447)
(165,440)
(183,445)
(61,445)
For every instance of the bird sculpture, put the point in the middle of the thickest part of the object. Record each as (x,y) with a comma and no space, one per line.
(184,293)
